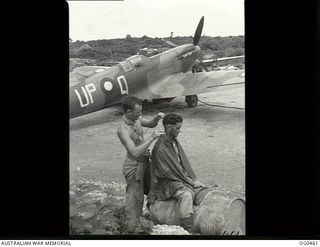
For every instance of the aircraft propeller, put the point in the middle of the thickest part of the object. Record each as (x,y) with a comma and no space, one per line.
(197,34)
(196,39)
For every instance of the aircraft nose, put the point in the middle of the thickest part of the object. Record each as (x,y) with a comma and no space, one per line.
(189,51)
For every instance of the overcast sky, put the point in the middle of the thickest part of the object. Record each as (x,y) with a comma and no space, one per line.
(92,20)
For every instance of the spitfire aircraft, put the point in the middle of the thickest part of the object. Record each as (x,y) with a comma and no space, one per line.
(163,76)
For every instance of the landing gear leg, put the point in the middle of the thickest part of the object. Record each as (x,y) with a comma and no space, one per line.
(192,100)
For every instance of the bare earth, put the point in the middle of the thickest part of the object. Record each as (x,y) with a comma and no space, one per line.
(213,139)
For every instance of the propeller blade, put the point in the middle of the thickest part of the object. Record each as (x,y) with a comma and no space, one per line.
(197,34)
(204,66)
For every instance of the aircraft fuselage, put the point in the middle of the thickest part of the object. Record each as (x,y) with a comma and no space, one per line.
(133,76)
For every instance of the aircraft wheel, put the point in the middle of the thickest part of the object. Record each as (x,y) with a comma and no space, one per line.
(192,100)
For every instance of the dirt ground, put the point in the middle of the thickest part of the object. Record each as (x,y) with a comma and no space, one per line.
(212,137)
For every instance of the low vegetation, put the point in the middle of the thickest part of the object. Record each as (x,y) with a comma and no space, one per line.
(107,50)
(98,208)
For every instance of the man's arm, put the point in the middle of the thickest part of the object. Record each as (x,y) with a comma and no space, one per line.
(127,142)
(152,122)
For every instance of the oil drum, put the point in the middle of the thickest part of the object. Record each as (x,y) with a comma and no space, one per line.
(216,214)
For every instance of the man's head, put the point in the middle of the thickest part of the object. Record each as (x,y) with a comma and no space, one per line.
(172,124)
(132,107)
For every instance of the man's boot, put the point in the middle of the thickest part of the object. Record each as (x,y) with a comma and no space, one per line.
(187,224)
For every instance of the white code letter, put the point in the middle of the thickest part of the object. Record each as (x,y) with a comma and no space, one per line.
(123,88)
(80,99)
(90,88)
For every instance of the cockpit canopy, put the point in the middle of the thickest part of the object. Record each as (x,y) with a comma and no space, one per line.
(135,60)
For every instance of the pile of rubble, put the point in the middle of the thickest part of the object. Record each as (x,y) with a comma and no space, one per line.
(168,230)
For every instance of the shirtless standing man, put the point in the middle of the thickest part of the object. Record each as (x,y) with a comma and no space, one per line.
(136,167)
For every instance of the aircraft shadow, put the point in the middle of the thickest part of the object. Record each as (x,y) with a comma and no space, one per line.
(96,118)
(149,109)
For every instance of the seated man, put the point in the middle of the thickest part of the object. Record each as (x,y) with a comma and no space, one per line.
(171,173)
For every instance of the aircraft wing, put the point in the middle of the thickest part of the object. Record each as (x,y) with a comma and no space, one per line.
(81,73)
(183,84)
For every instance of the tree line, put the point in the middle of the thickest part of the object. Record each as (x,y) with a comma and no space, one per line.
(120,49)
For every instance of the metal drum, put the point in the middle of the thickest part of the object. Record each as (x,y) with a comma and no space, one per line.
(165,212)
(216,215)
(219,215)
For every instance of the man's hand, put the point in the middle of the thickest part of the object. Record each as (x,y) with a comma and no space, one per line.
(146,152)
(197,183)
(153,122)
(160,115)
(156,133)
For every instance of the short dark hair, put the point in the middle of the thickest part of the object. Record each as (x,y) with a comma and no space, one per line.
(130,102)
(171,118)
